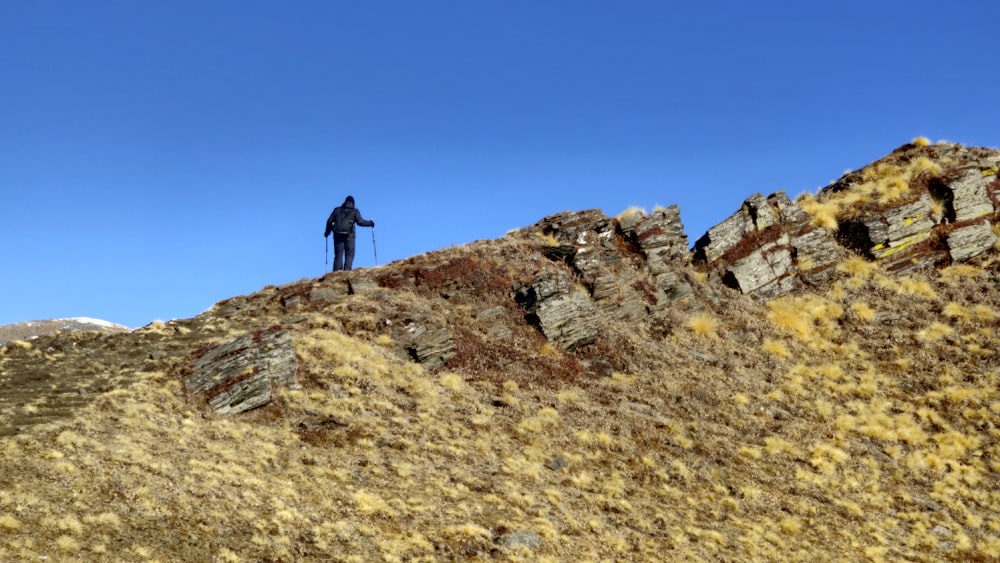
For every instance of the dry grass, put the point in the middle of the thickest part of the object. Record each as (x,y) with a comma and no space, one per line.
(880,184)
(704,324)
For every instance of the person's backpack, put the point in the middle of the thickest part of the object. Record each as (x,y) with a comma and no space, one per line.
(343,220)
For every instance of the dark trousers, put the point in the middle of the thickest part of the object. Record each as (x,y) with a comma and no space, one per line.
(343,252)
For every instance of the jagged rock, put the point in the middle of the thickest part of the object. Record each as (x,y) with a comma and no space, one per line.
(565,227)
(431,346)
(671,287)
(566,315)
(764,272)
(814,249)
(966,197)
(660,234)
(816,252)
(661,237)
(723,237)
(973,240)
(767,246)
(886,232)
(601,262)
(238,376)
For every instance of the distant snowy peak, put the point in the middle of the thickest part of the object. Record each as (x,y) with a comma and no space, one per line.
(95,322)
(33,329)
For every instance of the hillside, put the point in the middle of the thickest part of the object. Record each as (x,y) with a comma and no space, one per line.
(817,380)
(32,329)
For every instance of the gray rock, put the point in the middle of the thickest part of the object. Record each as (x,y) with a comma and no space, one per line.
(661,233)
(566,315)
(521,538)
(816,254)
(973,240)
(894,229)
(431,346)
(323,293)
(941,531)
(768,246)
(361,285)
(567,226)
(766,271)
(967,196)
(557,464)
(671,287)
(724,236)
(238,376)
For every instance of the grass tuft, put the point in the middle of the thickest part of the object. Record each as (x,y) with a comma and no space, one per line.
(704,324)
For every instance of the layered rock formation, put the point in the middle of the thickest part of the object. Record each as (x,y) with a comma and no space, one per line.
(942,210)
(768,247)
(917,208)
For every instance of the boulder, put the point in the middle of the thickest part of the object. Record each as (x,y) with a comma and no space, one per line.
(723,237)
(883,233)
(432,345)
(768,247)
(564,313)
(966,196)
(238,376)
(361,285)
(660,236)
(969,241)
(591,245)
(765,272)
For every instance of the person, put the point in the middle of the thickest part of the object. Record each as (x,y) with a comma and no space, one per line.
(341,223)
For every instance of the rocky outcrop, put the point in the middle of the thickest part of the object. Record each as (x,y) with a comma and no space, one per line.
(966,194)
(660,236)
(591,244)
(630,265)
(950,195)
(972,240)
(564,313)
(888,234)
(431,346)
(768,247)
(239,375)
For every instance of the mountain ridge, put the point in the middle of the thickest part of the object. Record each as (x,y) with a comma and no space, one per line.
(586,387)
(27,330)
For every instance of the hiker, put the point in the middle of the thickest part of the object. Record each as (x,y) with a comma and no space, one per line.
(341,223)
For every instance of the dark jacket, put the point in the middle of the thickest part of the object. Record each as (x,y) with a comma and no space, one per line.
(348,207)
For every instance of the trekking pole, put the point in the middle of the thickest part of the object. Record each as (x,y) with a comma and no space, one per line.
(326,254)
(375,250)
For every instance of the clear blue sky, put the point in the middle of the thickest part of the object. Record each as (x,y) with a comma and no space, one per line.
(159,156)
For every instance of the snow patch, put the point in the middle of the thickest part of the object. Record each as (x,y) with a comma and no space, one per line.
(96,322)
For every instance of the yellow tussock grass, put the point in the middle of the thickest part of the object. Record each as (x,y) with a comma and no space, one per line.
(957,311)
(631,211)
(704,324)
(863,311)
(777,348)
(824,214)
(857,266)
